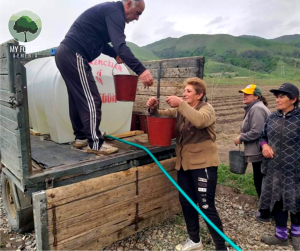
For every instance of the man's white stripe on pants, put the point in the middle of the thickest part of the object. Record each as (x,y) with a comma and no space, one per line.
(90,101)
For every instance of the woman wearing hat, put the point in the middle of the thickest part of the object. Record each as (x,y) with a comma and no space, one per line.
(256,113)
(280,142)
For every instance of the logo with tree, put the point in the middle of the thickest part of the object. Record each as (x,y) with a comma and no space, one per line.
(25,26)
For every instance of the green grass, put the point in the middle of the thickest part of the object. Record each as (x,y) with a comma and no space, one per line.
(242,183)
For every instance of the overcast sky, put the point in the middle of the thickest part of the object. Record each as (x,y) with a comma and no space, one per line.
(165,18)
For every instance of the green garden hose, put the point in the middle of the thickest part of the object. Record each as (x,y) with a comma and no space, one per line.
(181,191)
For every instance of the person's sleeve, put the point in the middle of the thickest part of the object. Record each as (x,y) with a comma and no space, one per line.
(257,120)
(109,51)
(199,118)
(264,134)
(116,25)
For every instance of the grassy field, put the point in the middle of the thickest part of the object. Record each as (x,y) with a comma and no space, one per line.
(242,183)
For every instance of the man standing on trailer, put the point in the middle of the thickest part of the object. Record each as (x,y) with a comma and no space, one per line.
(88,37)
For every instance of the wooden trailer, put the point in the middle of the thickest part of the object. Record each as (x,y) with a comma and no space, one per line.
(82,201)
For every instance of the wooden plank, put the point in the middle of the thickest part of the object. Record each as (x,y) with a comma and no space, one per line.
(11,162)
(6,95)
(9,125)
(100,200)
(4,84)
(3,51)
(86,205)
(100,216)
(34,133)
(152,91)
(3,66)
(96,241)
(9,113)
(11,149)
(23,118)
(166,82)
(101,184)
(141,100)
(176,72)
(9,135)
(128,134)
(104,218)
(40,220)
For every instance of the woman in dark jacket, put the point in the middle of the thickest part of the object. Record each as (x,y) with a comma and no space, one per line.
(280,142)
(256,113)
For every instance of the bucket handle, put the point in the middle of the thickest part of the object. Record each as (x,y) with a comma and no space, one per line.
(112,72)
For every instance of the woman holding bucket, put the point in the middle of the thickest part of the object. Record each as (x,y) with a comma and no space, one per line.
(280,142)
(197,158)
(256,113)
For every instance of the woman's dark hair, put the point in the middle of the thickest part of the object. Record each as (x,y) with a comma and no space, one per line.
(263,99)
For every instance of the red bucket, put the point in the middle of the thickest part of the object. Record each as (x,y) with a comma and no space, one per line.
(160,130)
(143,122)
(125,86)
(134,122)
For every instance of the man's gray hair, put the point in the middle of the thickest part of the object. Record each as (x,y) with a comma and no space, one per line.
(135,2)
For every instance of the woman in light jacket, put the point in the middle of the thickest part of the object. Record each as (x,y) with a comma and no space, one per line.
(256,113)
(197,158)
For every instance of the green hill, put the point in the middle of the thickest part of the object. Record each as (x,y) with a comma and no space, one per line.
(288,39)
(240,55)
(141,53)
(192,45)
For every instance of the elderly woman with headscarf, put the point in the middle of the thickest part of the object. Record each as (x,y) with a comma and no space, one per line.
(280,142)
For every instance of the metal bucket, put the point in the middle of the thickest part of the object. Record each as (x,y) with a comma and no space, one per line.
(237,162)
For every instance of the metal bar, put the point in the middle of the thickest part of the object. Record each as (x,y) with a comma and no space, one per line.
(158,83)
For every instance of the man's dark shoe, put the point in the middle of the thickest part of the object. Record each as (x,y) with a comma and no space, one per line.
(260,219)
(273,240)
(296,243)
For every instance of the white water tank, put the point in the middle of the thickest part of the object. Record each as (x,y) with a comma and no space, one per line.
(48,99)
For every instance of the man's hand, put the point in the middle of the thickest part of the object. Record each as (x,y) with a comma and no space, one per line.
(146,78)
(119,60)
(152,103)
(267,151)
(237,140)
(173,101)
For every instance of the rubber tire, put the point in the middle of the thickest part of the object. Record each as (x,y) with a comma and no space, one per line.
(23,220)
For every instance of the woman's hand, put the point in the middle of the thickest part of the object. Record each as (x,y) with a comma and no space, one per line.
(152,103)
(237,140)
(173,101)
(267,151)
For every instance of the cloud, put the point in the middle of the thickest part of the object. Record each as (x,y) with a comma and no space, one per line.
(215,21)
(294,24)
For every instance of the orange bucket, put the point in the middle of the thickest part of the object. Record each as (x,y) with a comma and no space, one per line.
(125,87)
(160,130)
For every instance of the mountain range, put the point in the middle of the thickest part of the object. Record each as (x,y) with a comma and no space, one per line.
(230,55)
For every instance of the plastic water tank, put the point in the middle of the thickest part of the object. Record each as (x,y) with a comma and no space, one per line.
(48,99)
